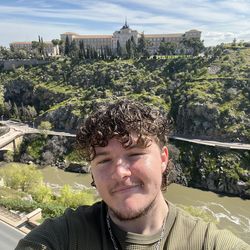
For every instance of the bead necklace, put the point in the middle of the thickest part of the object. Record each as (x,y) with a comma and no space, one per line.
(157,246)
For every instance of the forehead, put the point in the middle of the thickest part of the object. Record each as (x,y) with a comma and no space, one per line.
(116,143)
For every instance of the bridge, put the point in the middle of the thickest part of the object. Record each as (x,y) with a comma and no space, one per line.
(228,145)
(18,129)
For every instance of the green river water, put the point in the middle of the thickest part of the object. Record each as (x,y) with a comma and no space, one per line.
(232,213)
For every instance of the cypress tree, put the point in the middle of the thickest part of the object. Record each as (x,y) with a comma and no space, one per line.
(66,46)
(119,49)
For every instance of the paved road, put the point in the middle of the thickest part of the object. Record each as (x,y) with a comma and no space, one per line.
(9,236)
(25,129)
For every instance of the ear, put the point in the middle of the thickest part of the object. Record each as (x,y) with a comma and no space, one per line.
(164,158)
(93,181)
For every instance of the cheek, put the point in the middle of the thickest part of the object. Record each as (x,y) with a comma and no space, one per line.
(101,178)
(147,168)
(151,164)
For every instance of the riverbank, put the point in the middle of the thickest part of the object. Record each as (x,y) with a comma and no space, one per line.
(231,213)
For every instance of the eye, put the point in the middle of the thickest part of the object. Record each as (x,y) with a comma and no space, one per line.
(103,161)
(136,154)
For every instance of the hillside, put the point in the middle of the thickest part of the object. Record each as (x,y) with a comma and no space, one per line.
(207,96)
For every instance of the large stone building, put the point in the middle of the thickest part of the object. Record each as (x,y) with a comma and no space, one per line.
(49,48)
(124,34)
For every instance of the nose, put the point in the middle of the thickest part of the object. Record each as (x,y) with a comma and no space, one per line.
(121,169)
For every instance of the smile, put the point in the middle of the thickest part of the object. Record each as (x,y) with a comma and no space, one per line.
(124,189)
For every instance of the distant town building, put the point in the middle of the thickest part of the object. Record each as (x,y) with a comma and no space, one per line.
(124,34)
(49,48)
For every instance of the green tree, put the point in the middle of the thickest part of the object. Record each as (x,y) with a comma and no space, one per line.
(42,193)
(193,45)
(142,46)
(21,176)
(167,48)
(21,54)
(41,45)
(5,53)
(45,125)
(234,42)
(8,156)
(15,111)
(81,50)
(141,43)
(73,50)
(55,42)
(35,45)
(129,48)
(1,100)
(133,47)
(60,44)
(119,49)
(71,198)
(66,46)
(7,109)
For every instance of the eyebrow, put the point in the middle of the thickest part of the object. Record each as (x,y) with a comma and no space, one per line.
(101,154)
(105,153)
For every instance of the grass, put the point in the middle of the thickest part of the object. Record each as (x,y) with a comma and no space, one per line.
(6,192)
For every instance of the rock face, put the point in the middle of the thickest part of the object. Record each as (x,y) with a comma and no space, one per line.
(77,168)
(62,118)
(44,150)
(25,92)
(217,170)
(199,119)
(217,109)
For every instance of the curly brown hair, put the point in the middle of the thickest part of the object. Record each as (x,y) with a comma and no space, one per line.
(123,119)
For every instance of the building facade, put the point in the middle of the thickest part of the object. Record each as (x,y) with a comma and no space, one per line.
(124,34)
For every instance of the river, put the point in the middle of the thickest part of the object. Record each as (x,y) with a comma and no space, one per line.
(232,213)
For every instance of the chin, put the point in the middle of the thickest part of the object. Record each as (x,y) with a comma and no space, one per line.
(127,212)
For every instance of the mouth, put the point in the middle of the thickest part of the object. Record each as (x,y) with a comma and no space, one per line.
(126,189)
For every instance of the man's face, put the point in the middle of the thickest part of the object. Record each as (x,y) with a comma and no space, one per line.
(129,180)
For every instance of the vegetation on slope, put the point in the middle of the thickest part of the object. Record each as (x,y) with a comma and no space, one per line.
(208,96)
(24,190)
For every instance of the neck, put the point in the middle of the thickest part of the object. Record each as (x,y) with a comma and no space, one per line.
(147,224)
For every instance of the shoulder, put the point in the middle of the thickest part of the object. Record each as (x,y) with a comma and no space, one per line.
(84,212)
(59,232)
(198,234)
(223,239)
(185,219)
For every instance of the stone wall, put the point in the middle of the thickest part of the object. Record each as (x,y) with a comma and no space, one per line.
(12,64)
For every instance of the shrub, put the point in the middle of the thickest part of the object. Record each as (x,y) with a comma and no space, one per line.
(45,125)
(70,198)
(18,204)
(42,194)
(48,210)
(24,177)
(35,147)
(8,156)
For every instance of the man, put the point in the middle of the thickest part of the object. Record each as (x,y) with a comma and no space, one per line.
(124,143)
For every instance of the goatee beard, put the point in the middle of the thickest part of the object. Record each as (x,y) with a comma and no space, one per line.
(132,215)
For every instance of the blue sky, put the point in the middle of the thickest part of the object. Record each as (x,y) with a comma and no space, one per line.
(219,20)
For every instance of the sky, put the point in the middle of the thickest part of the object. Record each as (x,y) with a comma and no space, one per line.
(219,20)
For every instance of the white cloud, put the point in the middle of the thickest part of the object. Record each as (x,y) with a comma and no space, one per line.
(227,19)
(13,31)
